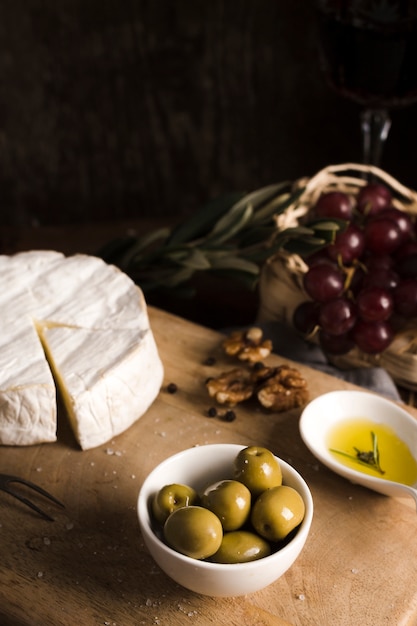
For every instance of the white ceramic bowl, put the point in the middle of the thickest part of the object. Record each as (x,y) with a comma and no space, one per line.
(198,467)
(323,413)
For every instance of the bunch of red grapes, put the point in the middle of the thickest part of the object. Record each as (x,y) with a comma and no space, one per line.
(363,286)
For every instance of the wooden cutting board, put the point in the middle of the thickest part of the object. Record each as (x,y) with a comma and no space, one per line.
(90,566)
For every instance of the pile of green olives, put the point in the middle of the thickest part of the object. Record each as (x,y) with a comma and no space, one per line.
(234,520)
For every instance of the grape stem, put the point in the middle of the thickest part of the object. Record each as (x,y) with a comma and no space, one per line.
(369,459)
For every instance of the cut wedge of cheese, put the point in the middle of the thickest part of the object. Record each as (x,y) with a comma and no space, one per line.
(81,326)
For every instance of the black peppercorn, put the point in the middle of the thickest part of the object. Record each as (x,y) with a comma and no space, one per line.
(229,416)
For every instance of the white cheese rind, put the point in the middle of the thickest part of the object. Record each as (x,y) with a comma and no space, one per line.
(28,415)
(94,325)
(28,411)
(103,400)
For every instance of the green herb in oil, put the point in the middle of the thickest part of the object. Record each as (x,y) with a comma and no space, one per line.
(369,459)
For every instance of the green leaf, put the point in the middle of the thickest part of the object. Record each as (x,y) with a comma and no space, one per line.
(268,212)
(178,277)
(297,231)
(329,232)
(277,206)
(258,235)
(230,224)
(303,247)
(112,251)
(326,224)
(203,221)
(142,243)
(262,197)
(285,201)
(196,259)
(234,262)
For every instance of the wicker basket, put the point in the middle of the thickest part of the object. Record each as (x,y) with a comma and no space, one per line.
(281,281)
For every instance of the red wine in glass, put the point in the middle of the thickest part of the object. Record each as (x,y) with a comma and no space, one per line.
(368,53)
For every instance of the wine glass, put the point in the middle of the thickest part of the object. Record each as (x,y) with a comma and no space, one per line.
(368,51)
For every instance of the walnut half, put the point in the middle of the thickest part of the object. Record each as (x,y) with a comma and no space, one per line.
(231,387)
(248,345)
(281,388)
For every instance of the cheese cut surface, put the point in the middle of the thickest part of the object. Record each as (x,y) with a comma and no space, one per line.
(82,326)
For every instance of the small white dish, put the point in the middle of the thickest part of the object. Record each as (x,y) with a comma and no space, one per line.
(198,467)
(329,409)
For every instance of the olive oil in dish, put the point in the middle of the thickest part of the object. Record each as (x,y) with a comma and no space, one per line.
(373,448)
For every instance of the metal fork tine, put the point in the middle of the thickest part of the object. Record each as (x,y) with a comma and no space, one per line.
(31,505)
(6,480)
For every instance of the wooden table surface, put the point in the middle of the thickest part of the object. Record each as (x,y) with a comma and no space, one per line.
(90,566)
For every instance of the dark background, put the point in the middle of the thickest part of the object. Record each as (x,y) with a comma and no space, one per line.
(148,108)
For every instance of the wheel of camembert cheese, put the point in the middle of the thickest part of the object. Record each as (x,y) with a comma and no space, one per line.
(78,326)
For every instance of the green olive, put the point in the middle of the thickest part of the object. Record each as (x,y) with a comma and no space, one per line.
(277,512)
(230,500)
(170,498)
(258,469)
(194,531)
(241,546)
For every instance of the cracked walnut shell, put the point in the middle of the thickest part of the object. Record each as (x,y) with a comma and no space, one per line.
(281,388)
(231,387)
(248,345)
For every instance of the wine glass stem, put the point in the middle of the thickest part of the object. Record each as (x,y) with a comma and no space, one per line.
(375,126)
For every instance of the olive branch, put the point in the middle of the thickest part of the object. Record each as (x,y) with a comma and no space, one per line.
(231,236)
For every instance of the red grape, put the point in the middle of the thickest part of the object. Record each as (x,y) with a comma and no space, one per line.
(407,266)
(384,261)
(385,278)
(337,316)
(372,337)
(348,245)
(334,204)
(373,198)
(374,304)
(320,256)
(382,236)
(306,317)
(405,297)
(401,219)
(408,248)
(335,344)
(323,282)
(363,286)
